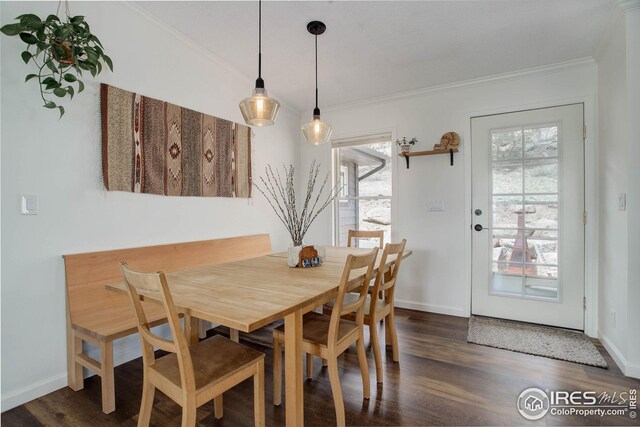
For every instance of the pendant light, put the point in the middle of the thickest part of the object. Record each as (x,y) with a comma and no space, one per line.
(259,109)
(316,132)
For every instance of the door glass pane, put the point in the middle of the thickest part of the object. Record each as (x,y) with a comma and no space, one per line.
(525,212)
(506,144)
(541,142)
(505,211)
(507,177)
(541,176)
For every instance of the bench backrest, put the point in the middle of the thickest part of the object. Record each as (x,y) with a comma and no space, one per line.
(87,273)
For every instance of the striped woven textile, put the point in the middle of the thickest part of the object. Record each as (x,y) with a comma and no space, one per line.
(151,146)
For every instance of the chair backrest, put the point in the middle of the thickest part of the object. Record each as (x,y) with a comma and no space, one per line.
(140,284)
(356,277)
(364,234)
(386,278)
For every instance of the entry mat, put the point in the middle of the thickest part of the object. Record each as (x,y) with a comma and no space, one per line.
(538,340)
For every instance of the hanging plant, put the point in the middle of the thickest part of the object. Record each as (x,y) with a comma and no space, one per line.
(61,51)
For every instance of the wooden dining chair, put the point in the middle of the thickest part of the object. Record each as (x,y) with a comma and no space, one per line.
(382,307)
(190,376)
(329,336)
(364,234)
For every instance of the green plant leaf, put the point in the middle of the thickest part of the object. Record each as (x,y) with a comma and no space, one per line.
(52,66)
(99,68)
(52,18)
(70,77)
(28,17)
(61,108)
(80,86)
(93,72)
(77,19)
(26,56)
(107,61)
(95,40)
(42,46)
(12,29)
(29,77)
(48,80)
(70,91)
(28,38)
(60,92)
(49,104)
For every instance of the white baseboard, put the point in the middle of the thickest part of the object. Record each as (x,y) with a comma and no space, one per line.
(431,308)
(629,369)
(33,391)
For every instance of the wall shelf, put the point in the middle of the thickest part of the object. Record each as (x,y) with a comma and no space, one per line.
(449,151)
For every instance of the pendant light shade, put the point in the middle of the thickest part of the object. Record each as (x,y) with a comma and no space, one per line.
(259,109)
(316,132)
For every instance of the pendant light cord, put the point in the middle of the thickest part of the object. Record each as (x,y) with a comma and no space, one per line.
(316,71)
(260,39)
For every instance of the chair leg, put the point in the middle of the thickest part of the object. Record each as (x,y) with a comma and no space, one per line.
(218,410)
(375,343)
(258,395)
(309,358)
(75,374)
(234,335)
(364,365)
(146,405)
(189,412)
(391,321)
(106,377)
(336,390)
(277,372)
(387,332)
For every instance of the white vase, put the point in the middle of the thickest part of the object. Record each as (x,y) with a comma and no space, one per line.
(293,255)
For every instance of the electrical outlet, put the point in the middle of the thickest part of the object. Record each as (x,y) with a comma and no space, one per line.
(622,201)
(435,206)
(29,204)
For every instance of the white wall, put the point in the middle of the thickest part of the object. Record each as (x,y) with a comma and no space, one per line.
(436,278)
(59,160)
(619,110)
(613,129)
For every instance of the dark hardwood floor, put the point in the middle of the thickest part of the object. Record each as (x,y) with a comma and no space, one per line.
(440,380)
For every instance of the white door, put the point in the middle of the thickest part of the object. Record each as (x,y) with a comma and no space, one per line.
(528,216)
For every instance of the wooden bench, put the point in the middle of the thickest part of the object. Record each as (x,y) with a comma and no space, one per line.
(100,316)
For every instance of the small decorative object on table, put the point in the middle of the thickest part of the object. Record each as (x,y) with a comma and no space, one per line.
(405,144)
(308,257)
(281,195)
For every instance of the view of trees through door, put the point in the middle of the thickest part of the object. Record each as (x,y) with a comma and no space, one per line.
(363,168)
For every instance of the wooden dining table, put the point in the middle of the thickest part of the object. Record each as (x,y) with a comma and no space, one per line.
(249,294)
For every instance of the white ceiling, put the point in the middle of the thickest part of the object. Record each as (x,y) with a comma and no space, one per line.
(377,48)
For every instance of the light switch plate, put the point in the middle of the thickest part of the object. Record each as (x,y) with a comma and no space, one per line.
(29,204)
(622,201)
(435,206)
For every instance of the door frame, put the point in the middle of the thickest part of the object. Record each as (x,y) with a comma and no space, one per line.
(591,201)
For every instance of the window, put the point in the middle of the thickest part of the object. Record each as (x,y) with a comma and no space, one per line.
(363,168)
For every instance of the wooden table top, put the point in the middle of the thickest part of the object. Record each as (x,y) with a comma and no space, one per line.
(249,294)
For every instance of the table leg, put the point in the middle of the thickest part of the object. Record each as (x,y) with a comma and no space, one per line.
(293,369)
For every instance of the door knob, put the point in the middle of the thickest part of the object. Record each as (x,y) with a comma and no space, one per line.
(478,227)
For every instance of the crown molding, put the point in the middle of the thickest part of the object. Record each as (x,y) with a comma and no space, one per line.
(496,78)
(197,46)
(629,5)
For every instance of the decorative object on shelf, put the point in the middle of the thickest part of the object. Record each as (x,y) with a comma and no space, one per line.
(259,109)
(280,191)
(316,132)
(61,51)
(151,146)
(448,145)
(308,257)
(405,145)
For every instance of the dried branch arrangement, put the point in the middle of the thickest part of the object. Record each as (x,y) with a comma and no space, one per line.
(280,191)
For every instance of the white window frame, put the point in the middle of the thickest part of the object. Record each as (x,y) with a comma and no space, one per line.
(362,139)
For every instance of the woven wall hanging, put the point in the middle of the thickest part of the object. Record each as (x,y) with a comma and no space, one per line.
(151,146)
